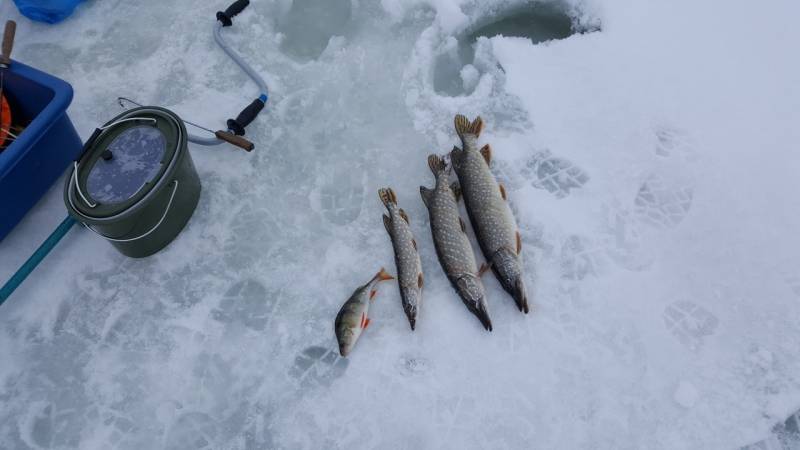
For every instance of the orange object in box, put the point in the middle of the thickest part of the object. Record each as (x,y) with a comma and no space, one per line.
(5,119)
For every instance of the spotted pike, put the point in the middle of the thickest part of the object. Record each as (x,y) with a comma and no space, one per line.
(487,206)
(352,319)
(406,256)
(451,242)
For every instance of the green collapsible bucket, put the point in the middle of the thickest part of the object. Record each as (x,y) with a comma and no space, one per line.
(135,183)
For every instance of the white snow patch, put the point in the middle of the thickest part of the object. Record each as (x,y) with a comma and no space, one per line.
(686,394)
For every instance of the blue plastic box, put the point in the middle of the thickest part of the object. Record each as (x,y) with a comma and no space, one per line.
(33,162)
(48,11)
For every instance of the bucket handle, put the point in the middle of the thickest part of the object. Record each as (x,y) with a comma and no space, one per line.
(166,210)
(78,185)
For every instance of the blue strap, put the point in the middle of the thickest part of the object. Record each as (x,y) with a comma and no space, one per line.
(37,257)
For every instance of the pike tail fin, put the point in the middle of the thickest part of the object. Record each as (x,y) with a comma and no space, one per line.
(464,126)
(436,164)
(387,196)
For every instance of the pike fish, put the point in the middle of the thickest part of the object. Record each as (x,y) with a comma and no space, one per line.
(406,256)
(487,206)
(451,242)
(352,319)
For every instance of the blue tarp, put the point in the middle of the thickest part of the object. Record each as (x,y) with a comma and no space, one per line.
(48,11)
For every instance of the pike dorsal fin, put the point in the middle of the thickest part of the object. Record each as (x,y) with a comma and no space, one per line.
(404,216)
(456,155)
(387,223)
(425,193)
(486,151)
(456,190)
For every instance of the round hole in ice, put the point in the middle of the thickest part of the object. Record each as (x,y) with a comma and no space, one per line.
(310,24)
(456,69)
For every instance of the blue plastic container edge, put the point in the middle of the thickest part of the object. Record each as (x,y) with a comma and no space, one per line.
(62,97)
(51,12)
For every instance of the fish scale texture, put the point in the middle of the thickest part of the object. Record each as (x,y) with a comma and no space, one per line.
(408,264)
(489,213)
(452,244)
(407,261)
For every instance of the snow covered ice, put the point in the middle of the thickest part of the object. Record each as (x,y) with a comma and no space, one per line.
(649,150)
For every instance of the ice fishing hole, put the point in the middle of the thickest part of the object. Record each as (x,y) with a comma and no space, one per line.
(456,70)
(309,25)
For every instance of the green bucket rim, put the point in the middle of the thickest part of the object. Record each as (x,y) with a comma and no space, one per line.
(174,132)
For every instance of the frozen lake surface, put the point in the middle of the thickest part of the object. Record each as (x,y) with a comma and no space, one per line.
(650,154)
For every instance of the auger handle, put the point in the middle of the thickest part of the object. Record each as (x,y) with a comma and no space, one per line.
(8,42)
(232,139)
(248,114)
(236,7)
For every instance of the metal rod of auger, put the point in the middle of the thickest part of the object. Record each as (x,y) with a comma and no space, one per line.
(262,85)
(235,126)
(210,141)
(250,112)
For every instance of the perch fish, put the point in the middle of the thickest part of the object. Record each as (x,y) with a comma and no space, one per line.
(353,317)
